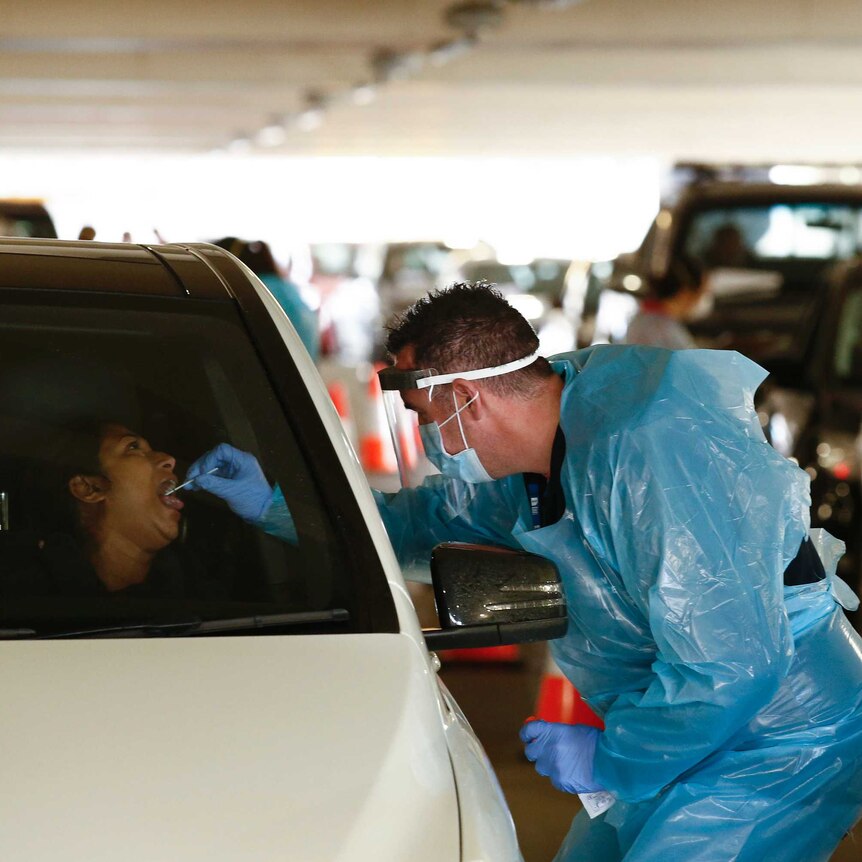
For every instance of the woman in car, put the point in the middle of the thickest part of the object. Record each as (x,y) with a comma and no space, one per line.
(111,521)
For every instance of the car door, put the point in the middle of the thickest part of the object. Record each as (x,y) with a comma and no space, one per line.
(250,697)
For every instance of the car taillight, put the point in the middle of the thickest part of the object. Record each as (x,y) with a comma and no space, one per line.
(841,471)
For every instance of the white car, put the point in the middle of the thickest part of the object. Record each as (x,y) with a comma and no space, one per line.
(177,684)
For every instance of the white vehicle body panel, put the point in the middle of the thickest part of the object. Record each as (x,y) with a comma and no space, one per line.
(253,748)
(487,829)
(271,747)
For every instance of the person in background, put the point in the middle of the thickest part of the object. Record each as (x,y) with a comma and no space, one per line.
(88,232)
(258,257)
(682,295)
(727,248)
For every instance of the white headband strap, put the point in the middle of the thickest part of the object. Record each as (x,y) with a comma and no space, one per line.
(477,373)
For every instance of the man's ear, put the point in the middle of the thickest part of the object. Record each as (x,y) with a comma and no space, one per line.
(88,489)
(466,390)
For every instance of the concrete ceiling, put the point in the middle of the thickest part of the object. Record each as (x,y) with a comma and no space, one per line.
(774,79)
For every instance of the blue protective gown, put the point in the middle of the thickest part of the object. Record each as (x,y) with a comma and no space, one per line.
(732,705)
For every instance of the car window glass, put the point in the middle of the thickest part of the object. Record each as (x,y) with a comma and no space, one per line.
(171,381)
(848,341)
(755,236)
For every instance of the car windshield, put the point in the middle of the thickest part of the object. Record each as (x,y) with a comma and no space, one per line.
(25,221)
(406,259)
(514,277)
(103,406)
(757,236)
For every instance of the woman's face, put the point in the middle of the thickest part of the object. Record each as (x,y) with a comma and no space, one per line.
(133,500)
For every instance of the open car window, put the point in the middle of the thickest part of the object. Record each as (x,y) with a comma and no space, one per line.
(180,377)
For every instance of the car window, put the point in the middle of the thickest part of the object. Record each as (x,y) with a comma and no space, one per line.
(25,223)
(426,258)
(848,340)
(169,380)
(754,236)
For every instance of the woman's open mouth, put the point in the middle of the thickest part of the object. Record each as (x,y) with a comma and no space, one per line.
(171,501)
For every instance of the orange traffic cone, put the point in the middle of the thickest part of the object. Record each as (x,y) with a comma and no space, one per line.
(559,699)
(375,446)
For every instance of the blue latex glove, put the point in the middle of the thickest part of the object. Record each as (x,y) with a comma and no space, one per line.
(563,752)
(239,481)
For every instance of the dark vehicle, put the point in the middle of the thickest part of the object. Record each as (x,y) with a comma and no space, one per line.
(814,415)
(26,218)
(767,249)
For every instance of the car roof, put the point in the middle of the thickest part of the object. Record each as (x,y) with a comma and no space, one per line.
(733,194)
(192,270)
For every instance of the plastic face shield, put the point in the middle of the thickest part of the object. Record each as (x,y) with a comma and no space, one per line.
(413,467)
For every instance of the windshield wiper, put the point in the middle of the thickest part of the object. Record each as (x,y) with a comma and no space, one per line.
(268,621)
(194,626)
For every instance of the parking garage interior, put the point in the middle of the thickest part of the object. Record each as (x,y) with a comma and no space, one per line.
(383,149)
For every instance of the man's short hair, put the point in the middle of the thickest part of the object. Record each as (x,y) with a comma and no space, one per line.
(468,326)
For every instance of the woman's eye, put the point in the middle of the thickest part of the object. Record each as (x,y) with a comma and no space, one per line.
(134,445)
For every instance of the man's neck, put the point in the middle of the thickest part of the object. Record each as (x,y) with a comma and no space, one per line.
(535,428)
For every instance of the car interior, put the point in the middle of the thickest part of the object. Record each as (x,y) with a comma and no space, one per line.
(184,387)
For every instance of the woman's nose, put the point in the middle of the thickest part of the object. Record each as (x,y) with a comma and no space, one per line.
(166,461)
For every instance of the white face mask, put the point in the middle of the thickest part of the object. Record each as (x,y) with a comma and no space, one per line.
(466,464)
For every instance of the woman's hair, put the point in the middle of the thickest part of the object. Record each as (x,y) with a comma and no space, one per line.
(72,451)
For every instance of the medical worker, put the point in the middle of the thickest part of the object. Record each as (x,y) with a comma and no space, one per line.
(704,626)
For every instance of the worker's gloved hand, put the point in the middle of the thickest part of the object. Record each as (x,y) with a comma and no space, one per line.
(563,752)
(238,480)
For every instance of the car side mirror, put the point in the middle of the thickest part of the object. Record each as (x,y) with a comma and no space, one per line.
(491,596)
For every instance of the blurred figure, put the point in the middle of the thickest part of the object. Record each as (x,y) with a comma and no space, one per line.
(680,296)
(727,249)
(127,237)
(258,257)
(349,303)
(88,232)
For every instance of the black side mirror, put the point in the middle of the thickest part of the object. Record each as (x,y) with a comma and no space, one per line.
(490,596)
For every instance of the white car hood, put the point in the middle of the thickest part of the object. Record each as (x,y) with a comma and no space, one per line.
(251,748)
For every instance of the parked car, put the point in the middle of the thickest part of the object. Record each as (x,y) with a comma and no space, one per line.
(408,270)
(813,413)
(767,247)
(539,289)
(23,217)
(241,696)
